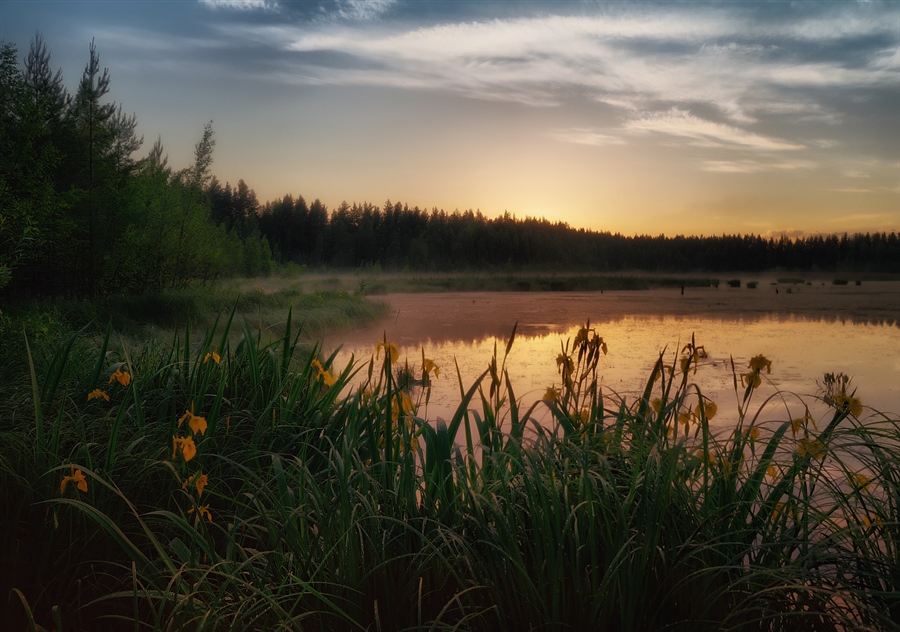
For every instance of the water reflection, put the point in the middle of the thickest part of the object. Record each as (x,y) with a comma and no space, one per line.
(463,329)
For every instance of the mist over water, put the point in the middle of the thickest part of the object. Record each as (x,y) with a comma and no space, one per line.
(463,329)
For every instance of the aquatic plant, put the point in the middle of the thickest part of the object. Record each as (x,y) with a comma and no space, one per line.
(242,483)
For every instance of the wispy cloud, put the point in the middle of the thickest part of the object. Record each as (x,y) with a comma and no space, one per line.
(241,5)
(586,136)
(756,165)
(704,133)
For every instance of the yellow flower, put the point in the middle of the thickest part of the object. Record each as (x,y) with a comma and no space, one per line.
(709,409)
(198,480)
(860,481)
(324,374)
(760,362)
(772,471)
(98,394)
(401,403)
(429,367)
(390,349)
(585,415)
(564,364)
(212,355)
(753,433)
(656,405)
(812,448)
(845,403)
(551,395)
(800,422)
(751,379)
(187,447)
(202,511)
(788,509)
(196,423)
(77,477)
(684,418)
(120,376)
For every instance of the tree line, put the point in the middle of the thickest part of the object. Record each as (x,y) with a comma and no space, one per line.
(80,215)
(396,236)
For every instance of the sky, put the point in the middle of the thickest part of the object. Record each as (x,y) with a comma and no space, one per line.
(635,117)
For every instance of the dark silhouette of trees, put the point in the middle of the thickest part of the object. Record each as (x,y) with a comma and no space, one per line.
(80,215)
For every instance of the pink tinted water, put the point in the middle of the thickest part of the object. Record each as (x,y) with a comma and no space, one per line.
(463,329)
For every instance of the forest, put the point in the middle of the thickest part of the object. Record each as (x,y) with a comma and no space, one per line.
(82,216)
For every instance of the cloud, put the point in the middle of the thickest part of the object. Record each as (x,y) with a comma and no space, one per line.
(756,166)
(704,133)
(586,136)
(240,5)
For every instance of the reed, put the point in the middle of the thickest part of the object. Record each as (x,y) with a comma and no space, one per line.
(240,481)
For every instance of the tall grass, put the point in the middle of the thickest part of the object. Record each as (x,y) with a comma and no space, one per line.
(239,483)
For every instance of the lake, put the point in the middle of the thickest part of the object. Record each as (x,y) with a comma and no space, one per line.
(806,332)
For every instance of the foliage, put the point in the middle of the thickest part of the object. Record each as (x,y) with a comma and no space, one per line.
(238,483)
(396,236)
(79,214)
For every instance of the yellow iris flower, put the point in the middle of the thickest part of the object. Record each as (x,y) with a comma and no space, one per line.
(813,448)
(551,395)
(202,511)
(390,349)
(98,394)
(324,374)
(186,446)
(77,477)
(120,376)
(199,481)
(196,423)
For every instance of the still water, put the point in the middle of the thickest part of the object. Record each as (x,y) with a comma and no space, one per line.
(463,329)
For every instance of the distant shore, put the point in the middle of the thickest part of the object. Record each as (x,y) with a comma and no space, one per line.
(875,300)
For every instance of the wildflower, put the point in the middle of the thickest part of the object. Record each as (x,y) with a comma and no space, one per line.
(710,458)
(772,472)
(564,364)
(847,404)
(800,422)
(401,404)
(198,480)
(789,510)
(860,481)
(77,477)
(751,380)
(875,519)
(390,349)
(656,405)
(429,367)
(202,511)
(196,423)
(581,337)
(709,409)
(120,376)
(684,418)
(98,394)
(759,362)
(187,447)
(212,355)
(812,448)
(585,416)
(324,374)
(551,395)
(753,433)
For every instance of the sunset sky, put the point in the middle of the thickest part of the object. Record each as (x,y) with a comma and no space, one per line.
(633,117)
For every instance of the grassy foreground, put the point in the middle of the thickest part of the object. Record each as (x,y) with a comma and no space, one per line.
(231,483)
